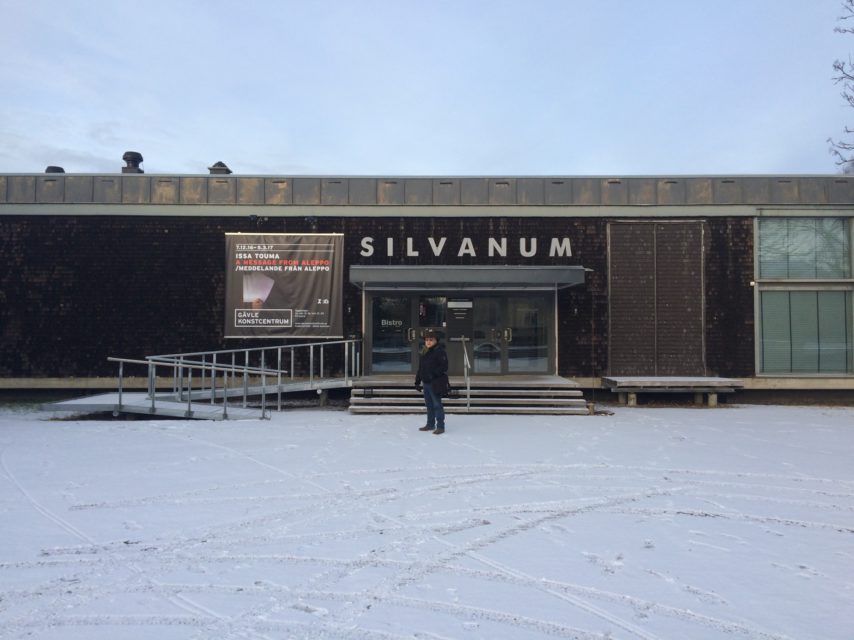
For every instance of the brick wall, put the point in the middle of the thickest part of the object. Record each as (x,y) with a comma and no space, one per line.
(77,289)
(730,339)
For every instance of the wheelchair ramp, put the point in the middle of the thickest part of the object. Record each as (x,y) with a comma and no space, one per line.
(232,384)
(165,406)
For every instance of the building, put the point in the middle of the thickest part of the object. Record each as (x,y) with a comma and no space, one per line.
(743,276)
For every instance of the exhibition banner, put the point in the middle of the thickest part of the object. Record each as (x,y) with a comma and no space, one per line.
(284,285)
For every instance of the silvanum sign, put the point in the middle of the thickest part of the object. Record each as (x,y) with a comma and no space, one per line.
(492,247)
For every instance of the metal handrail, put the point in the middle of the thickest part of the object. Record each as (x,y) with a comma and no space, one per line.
(253,349)
(466,367)
(351,355)
(152,366)
(215,362)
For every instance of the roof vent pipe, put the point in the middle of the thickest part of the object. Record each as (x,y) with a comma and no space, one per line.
(54,169)
(133,160)
(219,168)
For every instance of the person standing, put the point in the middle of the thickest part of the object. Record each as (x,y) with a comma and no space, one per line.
(432,379)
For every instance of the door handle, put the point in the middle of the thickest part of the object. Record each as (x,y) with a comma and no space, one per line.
(508,335)
(410,334)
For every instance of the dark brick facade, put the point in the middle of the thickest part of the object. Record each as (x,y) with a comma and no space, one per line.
(77,289)
(730,337)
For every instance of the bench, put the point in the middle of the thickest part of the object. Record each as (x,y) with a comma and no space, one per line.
(627,388)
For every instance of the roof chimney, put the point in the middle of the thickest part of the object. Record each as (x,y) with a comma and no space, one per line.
(54,169)
(133,160)
(219,168)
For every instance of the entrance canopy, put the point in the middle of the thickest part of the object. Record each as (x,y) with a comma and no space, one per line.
(459,277)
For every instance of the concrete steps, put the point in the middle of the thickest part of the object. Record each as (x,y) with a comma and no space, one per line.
(518,395)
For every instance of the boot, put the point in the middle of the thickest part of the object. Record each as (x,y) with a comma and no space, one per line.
(426,427)
(438,431)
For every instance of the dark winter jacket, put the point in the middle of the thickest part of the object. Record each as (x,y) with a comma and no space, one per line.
(433,363)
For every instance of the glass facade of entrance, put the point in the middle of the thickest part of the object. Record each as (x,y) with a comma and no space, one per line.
(390,332)
(501,334)
(527,339)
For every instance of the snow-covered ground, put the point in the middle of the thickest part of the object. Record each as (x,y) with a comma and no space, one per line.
(682,524)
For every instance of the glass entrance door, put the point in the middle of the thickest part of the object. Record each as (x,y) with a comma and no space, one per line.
(487,343)
(433,314)
(527,334)
(391,349)
(512,334)
(501,334)
(397,325)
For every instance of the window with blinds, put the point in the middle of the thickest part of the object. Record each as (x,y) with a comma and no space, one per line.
(805,303)
(806,331)
(804,248)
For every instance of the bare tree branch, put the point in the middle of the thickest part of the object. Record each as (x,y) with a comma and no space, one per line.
(842,150)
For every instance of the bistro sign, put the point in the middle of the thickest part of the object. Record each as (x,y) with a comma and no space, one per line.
(492,247)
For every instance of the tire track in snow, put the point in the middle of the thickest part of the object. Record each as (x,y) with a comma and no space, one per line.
(349,496)
(299,595)
(41,564)
(305,630)
(62,523)
(179,601)
(488,473)
(773,500)
(180,501)
(413,573)
(513,621)
(377,562)
(639,604)
(738,516)
(514,578)
(531,472)
(145,549)
(507,532)
(471,550)
(261,463)
(586,467)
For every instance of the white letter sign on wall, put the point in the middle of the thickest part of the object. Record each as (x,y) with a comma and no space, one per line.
(479,247)
(560,247)
(500,247)
(528,253)
(437,249)
(466,248)
(411,252)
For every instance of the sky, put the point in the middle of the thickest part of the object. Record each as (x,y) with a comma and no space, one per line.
(404,87)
